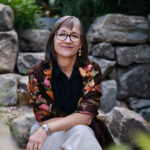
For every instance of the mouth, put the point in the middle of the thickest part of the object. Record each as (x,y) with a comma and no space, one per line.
(67,47)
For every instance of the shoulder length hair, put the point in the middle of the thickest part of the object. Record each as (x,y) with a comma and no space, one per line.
(68,21)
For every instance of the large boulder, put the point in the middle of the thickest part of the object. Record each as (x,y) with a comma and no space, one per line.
(22,91)
(33,40)
(142,106)
(105,50)
(124,123)
(109,95)
(134,81)
(118,28)
(133,54)
(27,60)
(20,128)
(6,18)
(8,51)
(106,65)
(8,89)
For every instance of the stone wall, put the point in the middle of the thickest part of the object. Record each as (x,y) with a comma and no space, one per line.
(121,46)
(118,43)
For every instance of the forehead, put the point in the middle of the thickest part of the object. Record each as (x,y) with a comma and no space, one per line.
(74,28)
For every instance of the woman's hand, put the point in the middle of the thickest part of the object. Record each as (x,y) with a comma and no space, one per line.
(37,140)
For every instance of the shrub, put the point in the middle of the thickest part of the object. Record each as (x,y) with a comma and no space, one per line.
(26,12)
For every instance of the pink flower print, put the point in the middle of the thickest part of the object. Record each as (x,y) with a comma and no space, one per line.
(38,116)
(34,79)
(99,88)
(44,107)
(88,67)
(47,82)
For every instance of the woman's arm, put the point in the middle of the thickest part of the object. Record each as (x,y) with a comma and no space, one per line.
(55,125)
(65,123)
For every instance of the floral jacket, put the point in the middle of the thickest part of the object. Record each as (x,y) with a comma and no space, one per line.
(42,100)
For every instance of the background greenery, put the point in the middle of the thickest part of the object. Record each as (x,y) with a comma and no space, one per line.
(89,10)
(26,12)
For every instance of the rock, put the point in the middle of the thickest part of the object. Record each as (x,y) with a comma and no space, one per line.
(105,50)
(7,143)
(134,81)
(8,89)
(33,40)
(27,60)
(7,18)
(20,128)
(145,113)
(46,23)
(8,51)
(148,18)
(123,124)
(113,74)
(22,91)
(109,93)
(135,54)
(118,28)
(137,104)
(106,65)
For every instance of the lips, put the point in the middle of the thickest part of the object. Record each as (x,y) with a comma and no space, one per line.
(66,46)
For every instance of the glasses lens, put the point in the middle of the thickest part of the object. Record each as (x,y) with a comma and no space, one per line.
(61,36)
(74,37)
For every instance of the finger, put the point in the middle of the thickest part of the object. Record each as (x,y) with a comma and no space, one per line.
(40,147)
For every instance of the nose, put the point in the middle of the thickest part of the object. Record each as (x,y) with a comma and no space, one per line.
(68,39)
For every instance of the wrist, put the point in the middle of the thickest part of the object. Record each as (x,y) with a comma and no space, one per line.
(46,128)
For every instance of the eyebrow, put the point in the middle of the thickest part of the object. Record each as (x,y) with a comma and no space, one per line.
(66,31)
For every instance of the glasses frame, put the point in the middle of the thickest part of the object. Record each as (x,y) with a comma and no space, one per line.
(69,37)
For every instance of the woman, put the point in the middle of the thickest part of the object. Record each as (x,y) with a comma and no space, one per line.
(65,91)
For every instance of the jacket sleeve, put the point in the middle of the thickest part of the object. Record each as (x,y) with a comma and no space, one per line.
(90,100)
(38,102)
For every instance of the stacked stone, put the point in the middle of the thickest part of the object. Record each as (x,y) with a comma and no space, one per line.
(120,44)
(117,42)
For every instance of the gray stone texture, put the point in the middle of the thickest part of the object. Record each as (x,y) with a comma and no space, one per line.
(134,81)
(135,54)
(109,95)
(6,18)
(8,51)
(8,89)
(118,28)
(20,128)
(27,60)
(123,124)
(33,40)
(106,65)
(105,50)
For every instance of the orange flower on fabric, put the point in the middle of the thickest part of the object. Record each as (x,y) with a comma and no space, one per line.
(50,93)
(82,72)
(48,73)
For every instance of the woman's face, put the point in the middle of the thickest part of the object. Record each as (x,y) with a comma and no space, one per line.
(67,46)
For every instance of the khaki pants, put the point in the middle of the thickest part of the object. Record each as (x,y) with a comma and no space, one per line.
(79,137)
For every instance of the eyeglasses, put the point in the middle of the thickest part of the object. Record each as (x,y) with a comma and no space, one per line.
(72,37)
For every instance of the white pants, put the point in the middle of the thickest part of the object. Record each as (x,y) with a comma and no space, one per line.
(79,137)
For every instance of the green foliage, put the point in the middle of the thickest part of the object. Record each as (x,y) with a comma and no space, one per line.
(119,147)
(88,10)
(26,12)
(142,142)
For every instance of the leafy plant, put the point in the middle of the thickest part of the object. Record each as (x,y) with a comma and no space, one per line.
(26,12)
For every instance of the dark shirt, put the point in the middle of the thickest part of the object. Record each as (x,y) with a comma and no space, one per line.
(66,91)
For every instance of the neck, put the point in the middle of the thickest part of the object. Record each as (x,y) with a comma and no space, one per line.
(66,64)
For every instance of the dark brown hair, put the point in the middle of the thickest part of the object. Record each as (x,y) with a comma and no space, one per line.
(68,21)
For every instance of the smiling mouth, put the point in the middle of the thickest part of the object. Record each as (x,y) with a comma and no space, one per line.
(67,46)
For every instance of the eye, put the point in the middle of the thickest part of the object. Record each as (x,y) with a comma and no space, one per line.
(75,36)
(61,34)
